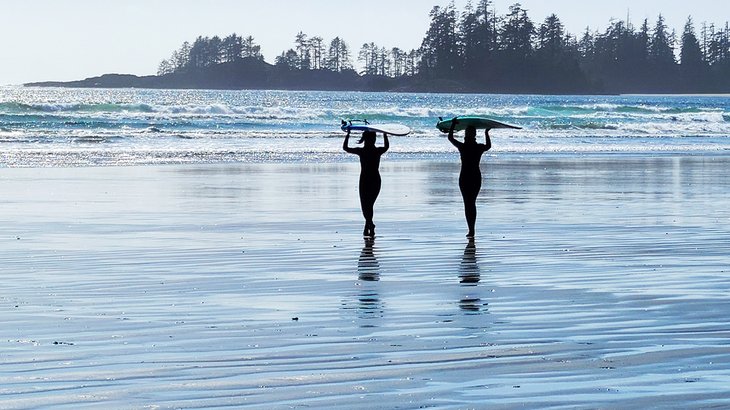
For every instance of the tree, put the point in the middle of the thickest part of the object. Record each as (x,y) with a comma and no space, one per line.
(205,52)
(302,48)
(551,36)
(369,57)
(181,59)
(715,49)
(288,59)
(439,48)
(249,49)
(719,57)
(338,56)
(469,40)
(410,67)
(661,51)
(643,44)
(384,62)
(661,57)
(214,51)
(586,45)
(692,64)
(231,47)
(177,61)
(165,67)
(317,50)
(478,41)
(516,34)
(486,28)
(555,58)
(398,58)
(198,57)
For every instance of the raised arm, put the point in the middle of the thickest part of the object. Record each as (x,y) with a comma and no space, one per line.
(386,143)
(487,140)
(345,143)
(453,140)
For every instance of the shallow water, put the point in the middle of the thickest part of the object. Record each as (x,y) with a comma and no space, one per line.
(594,282)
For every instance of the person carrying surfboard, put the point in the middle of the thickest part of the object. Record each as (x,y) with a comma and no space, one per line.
(370,182)
(470,177)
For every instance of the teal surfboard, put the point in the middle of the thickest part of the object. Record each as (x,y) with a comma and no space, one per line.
(479,123)
(364,125)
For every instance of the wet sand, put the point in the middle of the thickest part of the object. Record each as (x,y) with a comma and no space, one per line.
(593,282)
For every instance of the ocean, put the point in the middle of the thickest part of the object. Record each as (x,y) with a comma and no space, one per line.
(48,127)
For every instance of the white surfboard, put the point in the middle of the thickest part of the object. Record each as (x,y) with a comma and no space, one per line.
(387,128)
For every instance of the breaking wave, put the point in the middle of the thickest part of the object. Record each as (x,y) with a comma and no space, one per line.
(299,123)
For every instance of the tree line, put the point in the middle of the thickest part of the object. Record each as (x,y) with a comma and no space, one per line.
(483,51)
(210,51)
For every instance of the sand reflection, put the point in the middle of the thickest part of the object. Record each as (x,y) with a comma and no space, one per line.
(469,277)
(368,271)
(368,268)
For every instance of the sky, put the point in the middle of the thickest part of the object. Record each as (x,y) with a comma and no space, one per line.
(48,40)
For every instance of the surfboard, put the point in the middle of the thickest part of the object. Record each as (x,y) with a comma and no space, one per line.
(479,123)
(364,125)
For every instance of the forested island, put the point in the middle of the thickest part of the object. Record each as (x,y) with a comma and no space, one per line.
(470,50)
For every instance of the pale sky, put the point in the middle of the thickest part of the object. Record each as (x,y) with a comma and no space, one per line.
(43,40)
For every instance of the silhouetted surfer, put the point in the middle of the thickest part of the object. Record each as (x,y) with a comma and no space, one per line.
(369,175)
(470,178)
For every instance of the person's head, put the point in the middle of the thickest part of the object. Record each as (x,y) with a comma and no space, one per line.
(470,134)
(368,137)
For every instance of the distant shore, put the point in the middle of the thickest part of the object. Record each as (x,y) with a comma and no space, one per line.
(257,75)
(322,81)
(250,74)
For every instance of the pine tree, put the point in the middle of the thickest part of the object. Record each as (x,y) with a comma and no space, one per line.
(249,49)
(338,56)
(692,64)
(288,60)
(661,52)
(516,34)
(439,48)
(303,48)
(316,45)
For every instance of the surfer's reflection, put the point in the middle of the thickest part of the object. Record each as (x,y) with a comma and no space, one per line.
(469,276)
(368,267)
(368,270)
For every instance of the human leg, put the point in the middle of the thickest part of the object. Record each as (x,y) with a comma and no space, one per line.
(469,191)
(369,191)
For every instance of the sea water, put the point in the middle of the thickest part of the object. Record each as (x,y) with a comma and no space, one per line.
(88,127)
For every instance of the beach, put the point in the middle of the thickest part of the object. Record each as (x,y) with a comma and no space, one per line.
(598,281)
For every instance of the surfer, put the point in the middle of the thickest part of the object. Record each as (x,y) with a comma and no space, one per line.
(369,186)
(470,177)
